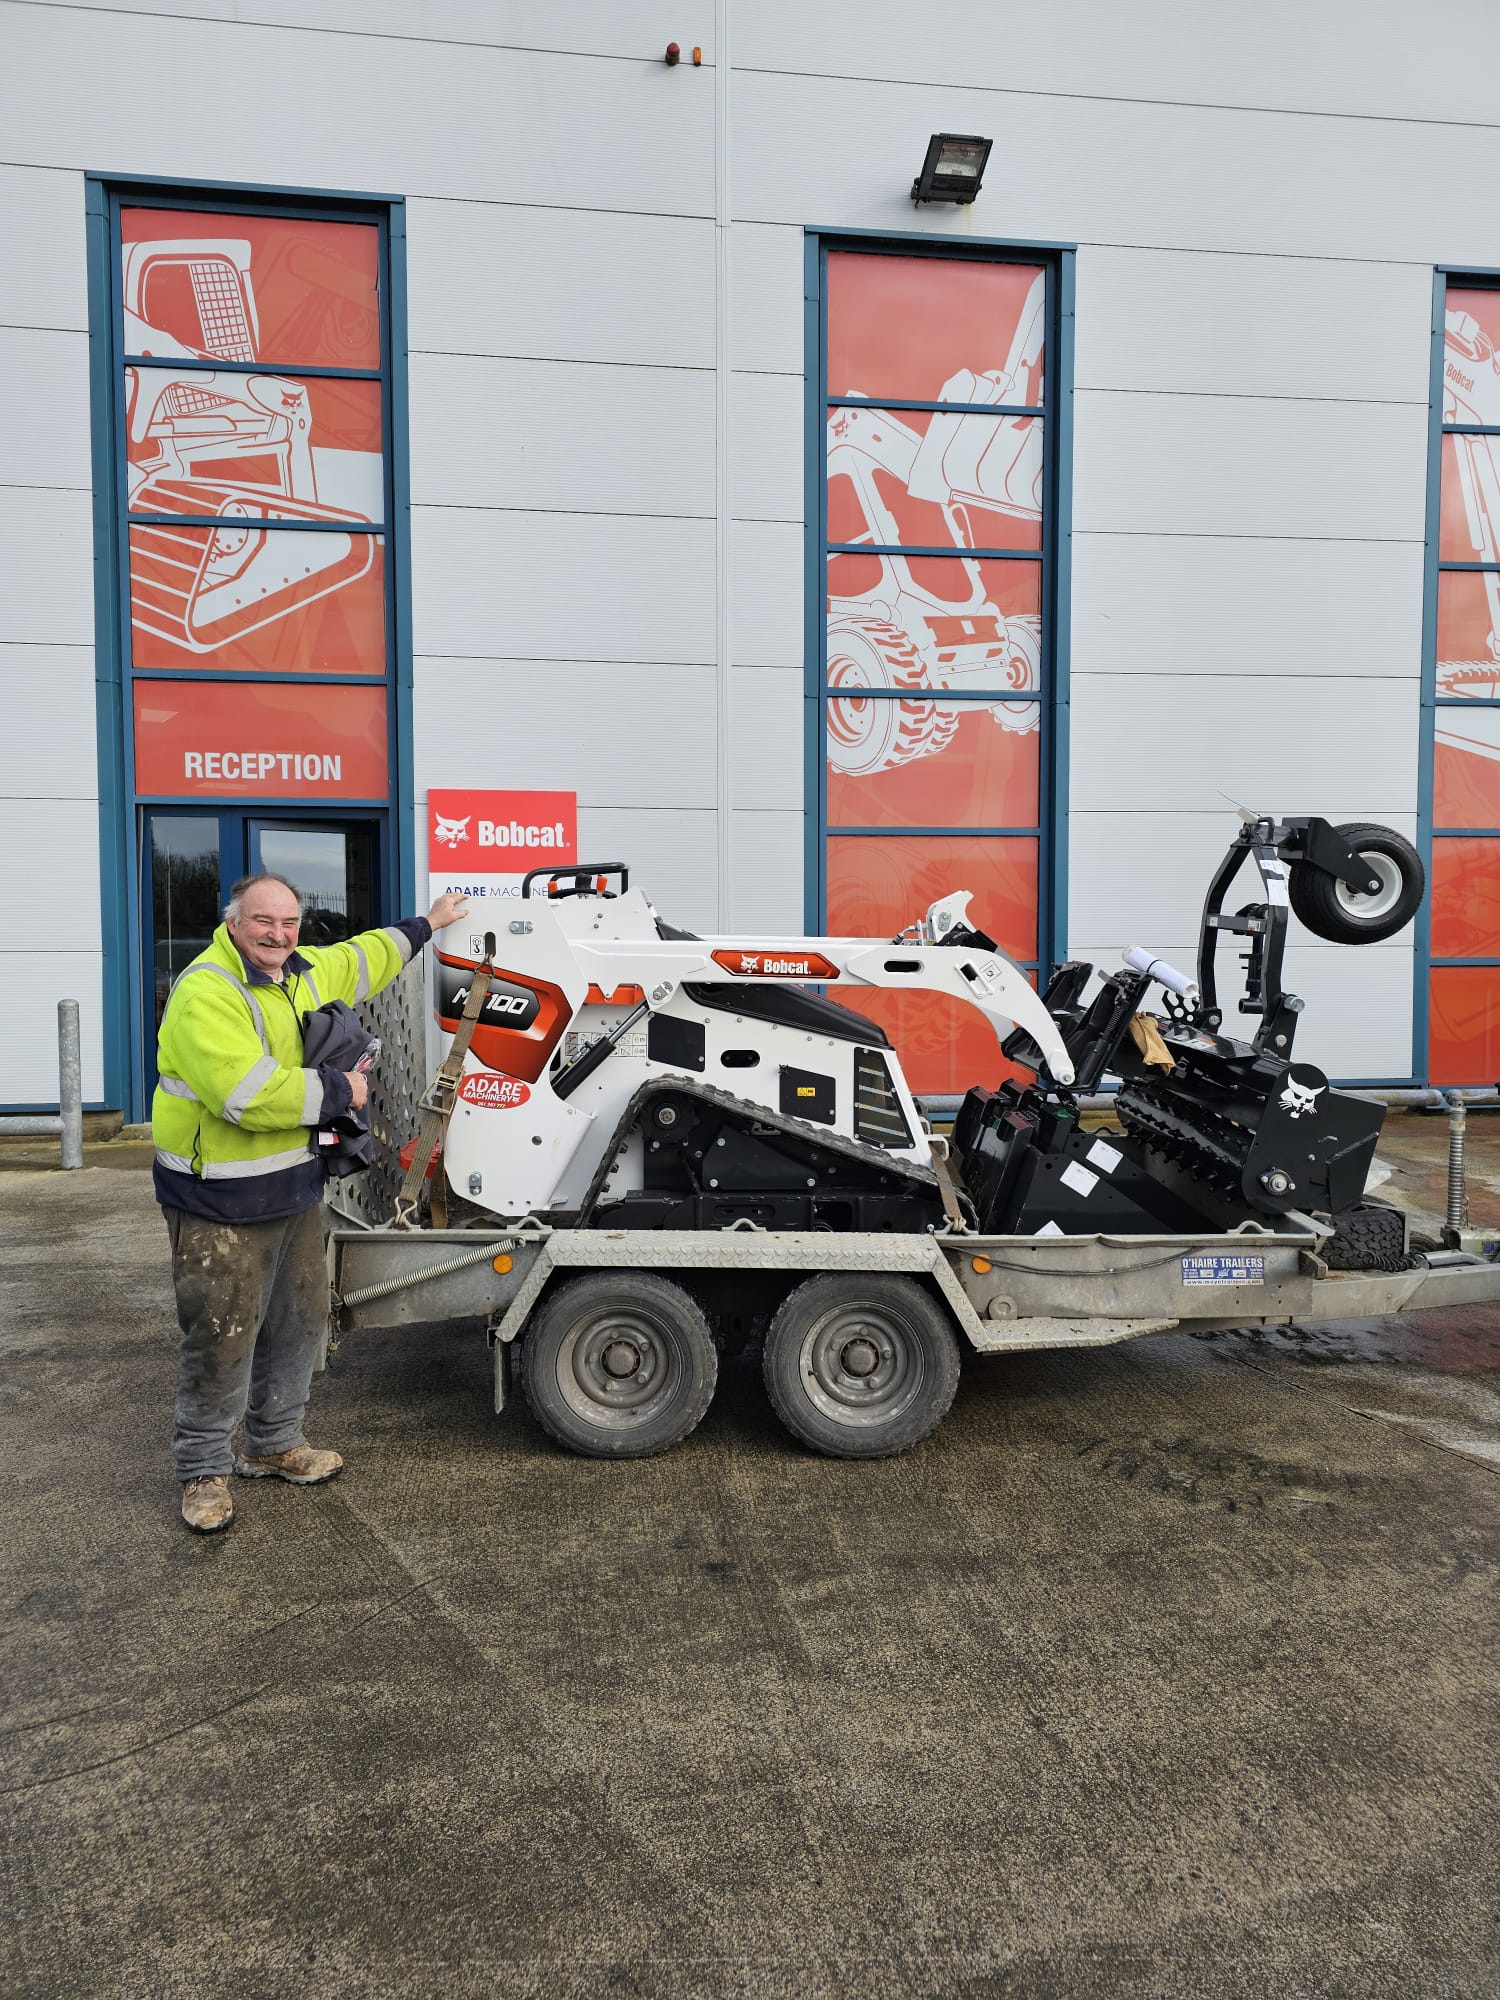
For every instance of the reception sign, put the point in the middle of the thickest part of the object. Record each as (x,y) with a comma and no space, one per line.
(259,740)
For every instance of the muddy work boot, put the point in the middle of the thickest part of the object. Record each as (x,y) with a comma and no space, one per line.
(302,1466)
(206,1505)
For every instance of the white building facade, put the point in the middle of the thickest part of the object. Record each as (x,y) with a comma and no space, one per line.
(453,395)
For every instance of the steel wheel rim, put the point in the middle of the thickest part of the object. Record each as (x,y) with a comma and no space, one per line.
(837,1372)
(598,1381)
(1370,909)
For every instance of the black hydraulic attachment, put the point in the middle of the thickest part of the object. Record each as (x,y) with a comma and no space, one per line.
(1214,1132)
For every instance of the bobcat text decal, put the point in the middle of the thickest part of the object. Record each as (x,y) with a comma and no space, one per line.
(775,965)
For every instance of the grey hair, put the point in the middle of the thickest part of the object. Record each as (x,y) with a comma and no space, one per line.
(234,908)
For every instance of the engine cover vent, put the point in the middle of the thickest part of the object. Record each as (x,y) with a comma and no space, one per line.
(878,1117)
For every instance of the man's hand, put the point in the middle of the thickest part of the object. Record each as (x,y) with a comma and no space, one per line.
(448,908)
(359,1086)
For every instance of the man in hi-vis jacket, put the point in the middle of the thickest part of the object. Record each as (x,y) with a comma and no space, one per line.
(235,1122)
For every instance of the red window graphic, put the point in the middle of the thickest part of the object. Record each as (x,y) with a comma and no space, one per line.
(1466,770)
(251,441)
(267,740)
(877,887)
(1464,1024)
(982,772)
(904,629)
(242,598)
(923,328)
(1465,898)
(223,442)
(278,289)
(1465,874)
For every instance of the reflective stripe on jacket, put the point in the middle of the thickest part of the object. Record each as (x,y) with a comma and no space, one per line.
(235,1109)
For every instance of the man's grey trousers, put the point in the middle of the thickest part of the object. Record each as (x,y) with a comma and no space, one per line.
(252,1301)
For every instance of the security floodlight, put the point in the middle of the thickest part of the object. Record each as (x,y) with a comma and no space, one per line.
(953,168)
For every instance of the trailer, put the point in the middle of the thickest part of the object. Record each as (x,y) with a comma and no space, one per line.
(618,1332)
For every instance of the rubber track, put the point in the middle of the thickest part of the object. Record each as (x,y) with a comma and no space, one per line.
(875,1158)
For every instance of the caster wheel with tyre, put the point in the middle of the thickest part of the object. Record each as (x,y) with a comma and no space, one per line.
(619,1365)
(1331,909)
(860,1366)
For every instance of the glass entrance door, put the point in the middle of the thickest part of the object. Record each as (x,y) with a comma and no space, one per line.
(191,862)
(185,859)
(333,864)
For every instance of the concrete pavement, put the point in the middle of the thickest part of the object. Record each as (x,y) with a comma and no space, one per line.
(1167,1670)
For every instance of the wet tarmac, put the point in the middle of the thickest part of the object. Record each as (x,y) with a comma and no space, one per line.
(1167,1669)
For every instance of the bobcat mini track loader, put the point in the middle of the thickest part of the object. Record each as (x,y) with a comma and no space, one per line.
(653,1144)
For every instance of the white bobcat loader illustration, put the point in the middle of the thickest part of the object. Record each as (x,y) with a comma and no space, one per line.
(233,447)
(902,634)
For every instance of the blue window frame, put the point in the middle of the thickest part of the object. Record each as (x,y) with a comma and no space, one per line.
(114,366)
(916,596)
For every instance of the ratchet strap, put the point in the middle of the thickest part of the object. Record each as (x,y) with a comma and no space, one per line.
(438,1102)
(947,1184)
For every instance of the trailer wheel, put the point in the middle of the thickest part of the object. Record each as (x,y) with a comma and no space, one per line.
(860,1366)
(1331,909)
(619,1365)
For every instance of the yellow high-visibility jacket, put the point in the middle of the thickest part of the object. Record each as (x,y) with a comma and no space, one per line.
(235,1114)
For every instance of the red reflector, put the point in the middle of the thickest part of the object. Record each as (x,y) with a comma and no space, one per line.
(623,996)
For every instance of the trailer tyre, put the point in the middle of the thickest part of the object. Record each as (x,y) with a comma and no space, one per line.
(860,1366)
(619,1364)
(1331,909)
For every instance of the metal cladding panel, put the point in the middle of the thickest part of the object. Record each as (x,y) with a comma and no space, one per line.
(766,446)
(495,585)
(767,593)
(766,724)
(1141,877)
(601,730)
(1342,747)
(623,288)
(44,407)
(593,27)
(48,539)
(1110,171)
(1366,60)
(561,437)
(49,723)
(1230,465)
(42,279)
(1253,326)
(672,855)
(765,894)
(34,983)
(765,299)
(67,831)
(1357,1021)
(1244,608)
(462,119)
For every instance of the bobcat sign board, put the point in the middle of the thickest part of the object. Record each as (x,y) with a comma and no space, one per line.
(484,843)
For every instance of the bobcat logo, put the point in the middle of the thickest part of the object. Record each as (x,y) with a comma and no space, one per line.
(449,832)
